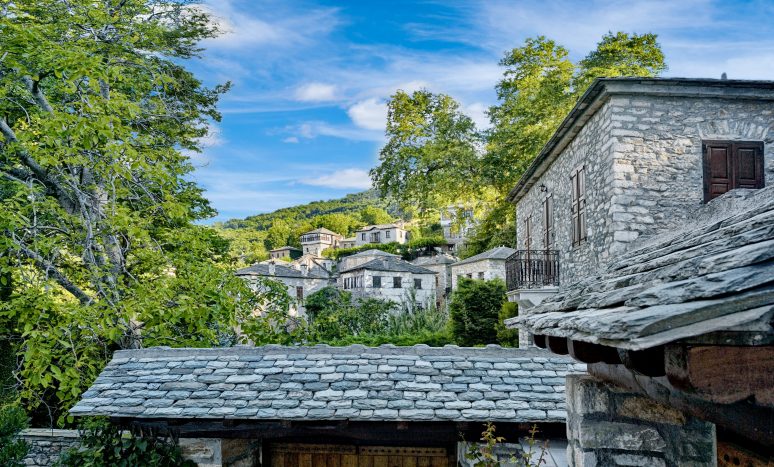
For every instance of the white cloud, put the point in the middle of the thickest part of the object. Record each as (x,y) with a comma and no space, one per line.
(477,112)
(311,130)
(370,114)
(290,139)
(316,92)
(346,178)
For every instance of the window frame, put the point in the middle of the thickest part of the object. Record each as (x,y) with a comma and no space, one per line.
(418,283)
(734,162)
(397,282)
(375,280)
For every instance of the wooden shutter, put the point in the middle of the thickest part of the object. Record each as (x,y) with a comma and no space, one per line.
(574,208)
(548,222)
(528,233)
(578,187)
(729,165)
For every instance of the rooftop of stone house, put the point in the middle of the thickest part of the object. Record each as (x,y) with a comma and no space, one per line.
(389,264)
(602,88)
(716,274)
(358,383)
(265,270)
(500,252)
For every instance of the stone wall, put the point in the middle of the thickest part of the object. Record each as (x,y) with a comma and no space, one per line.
(643,161)
(609,426)
(491,269)
(591,148)
(46,445)
(424,295)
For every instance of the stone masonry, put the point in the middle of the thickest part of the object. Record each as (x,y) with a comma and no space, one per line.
(609,426)
(46,445)
(643,159)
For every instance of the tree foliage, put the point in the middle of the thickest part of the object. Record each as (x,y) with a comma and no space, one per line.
(474,310)
(97,214)
(13,420)
(103,444)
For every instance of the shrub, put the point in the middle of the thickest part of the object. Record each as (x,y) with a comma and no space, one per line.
(474,310)
(507,337)
(13,420)
(104,445)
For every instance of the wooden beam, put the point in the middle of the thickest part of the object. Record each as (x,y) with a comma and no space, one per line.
(539,340)
(558,345)
(752,422)
(723,374)
(648,362)
(592,353)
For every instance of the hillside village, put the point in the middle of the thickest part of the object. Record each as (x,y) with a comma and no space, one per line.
(586,281)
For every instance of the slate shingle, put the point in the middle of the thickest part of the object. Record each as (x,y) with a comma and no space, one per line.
(356,383)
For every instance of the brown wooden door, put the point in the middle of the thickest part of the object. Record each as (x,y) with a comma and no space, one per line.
(326,455)
(729,165)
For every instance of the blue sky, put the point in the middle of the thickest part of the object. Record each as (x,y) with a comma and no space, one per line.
(304,120)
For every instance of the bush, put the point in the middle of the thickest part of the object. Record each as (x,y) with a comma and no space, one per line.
(104,445)
(13,420)
(474,310)
(507,337)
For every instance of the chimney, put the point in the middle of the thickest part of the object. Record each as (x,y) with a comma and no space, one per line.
(304,269)
(272,268)
(724,76)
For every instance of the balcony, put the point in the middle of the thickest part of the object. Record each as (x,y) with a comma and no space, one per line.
(532,269)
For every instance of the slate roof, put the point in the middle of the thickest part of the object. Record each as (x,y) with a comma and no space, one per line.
(501,252)
(374,252)
(595,97)
(262,269)
(717,274)
(283,248)
(386,383)
(390,264)
(379,226)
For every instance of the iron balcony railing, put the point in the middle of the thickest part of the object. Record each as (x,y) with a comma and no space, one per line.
(529,269)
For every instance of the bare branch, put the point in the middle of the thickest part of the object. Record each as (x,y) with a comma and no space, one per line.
(37,93)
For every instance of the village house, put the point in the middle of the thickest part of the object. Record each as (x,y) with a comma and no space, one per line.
(312,262)
(388,277)
(316,241)
(381,233)
(441,265)
(350,242)
(678,337)
(300,282)
(635,157)
(351,406)
(483,266)
(456,222)
(287,253)
(622,263)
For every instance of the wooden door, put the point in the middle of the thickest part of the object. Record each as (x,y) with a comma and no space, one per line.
(328,455)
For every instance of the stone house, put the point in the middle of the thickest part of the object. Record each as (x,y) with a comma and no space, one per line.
(484,266)
(677,334)
(293,406)
(349,242)
(381,233)
(287,253)
(456,222)
(362,257)
(441,265)
(300,282)
(316,241)
(634,158)
(389,278)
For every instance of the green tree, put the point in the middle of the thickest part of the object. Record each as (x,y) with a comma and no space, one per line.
(12,421)
(372,215)
(343,224)
(279,234)
(430,158)
(507,337)
(474,310)
(97,214)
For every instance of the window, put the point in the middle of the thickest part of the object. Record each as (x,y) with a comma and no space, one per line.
(376,237)
(299,293)
(363,237)
(470,275)
(528,233)
(396,282)
(731,164)
(417,283)
(481,275)
(578,187)
(548,222)
(386,234)
(377,282)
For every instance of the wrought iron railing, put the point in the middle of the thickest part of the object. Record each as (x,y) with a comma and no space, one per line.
(529,269)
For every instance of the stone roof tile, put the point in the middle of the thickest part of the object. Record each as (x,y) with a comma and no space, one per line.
(355,383)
